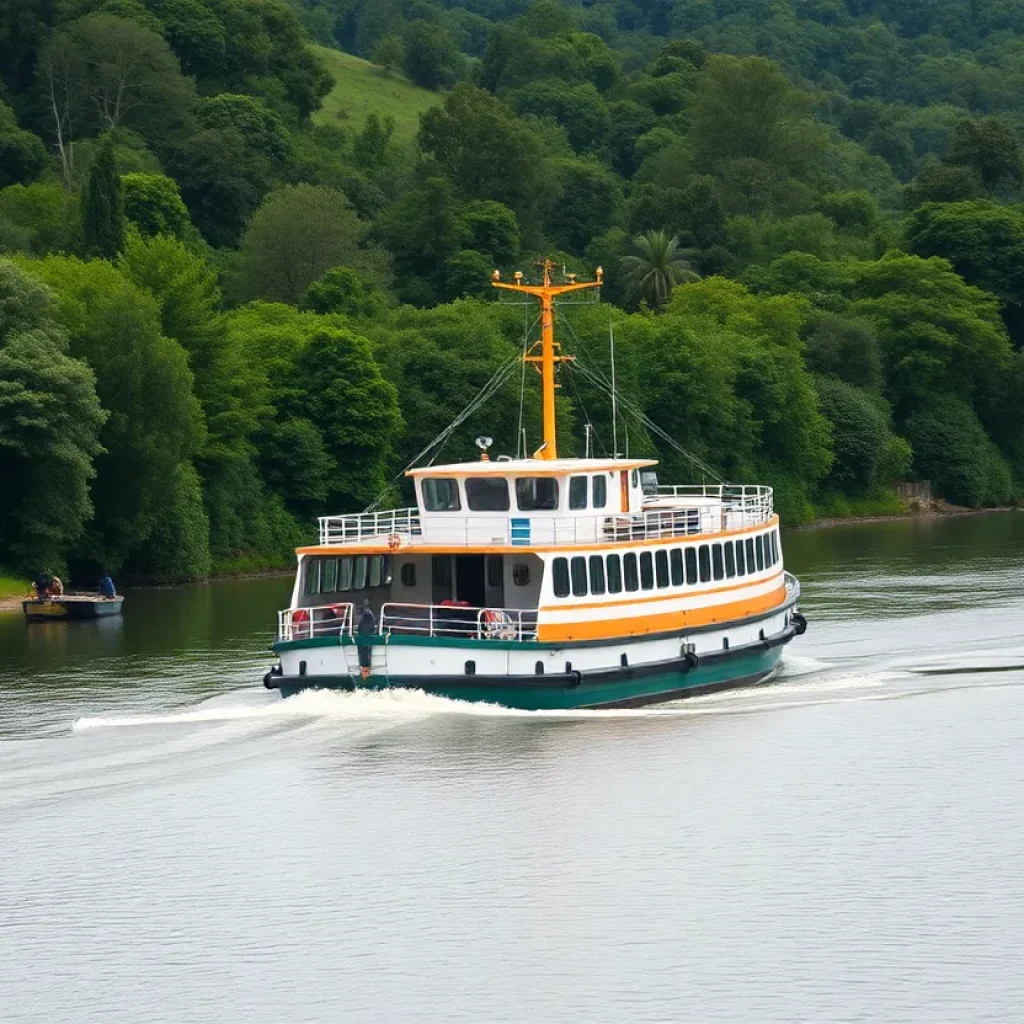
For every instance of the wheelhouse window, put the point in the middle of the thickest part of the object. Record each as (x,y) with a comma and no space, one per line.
(579,576)
(750,555)
(716,561)
(759,551)
(646,570)
(599,492)
(578,492)
(649,482)
(345,574)
(730,560)
(630,573)
(441,494)
(596,574)
(614,575)
(359,575)
(560,577)
(741,562)
(313,576)
(487,494)
(329,576)
(535,494)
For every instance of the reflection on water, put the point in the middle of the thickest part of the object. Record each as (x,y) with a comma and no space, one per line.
(843,844)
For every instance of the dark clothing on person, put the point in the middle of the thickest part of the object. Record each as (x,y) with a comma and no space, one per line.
(367,627)
(107,587)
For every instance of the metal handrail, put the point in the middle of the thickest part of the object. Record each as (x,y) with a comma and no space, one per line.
(748,506)
(459,621)
(320,620)
(351,529)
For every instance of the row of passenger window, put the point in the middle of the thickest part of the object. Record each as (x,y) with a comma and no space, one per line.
(675,567)
(337,575)
(533,493)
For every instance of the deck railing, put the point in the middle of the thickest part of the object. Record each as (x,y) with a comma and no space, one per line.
(322,620)
(402,522)
(671,512)
(455,621)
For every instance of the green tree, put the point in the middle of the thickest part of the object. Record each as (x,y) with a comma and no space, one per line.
(103,207)
(389,54)
(579,109)
(952,450)
(860,435)
(586,204)
(846,350)
(984,242)
(745,109)
(143,380)
(431,59)
(489,154)
(356,410)
(154,205)
(299,233)
(50,420)
(991,149)
(125,75)
(467,274)
(22,155)
(341,290)
(658,268)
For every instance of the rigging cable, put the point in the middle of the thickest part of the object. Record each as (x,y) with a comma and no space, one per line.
(500,376)
(599,379)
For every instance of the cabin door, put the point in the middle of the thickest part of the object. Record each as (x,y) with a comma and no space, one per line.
(470,584)
(441,579)
(624,489)
(495,582)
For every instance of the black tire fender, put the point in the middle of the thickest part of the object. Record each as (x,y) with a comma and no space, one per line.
(799,623)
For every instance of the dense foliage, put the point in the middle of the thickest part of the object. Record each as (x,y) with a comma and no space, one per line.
(221,316)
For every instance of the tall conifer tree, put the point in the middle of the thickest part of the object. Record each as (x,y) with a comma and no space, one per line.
(103,207)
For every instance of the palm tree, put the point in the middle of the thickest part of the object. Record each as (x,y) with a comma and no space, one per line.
(660,266)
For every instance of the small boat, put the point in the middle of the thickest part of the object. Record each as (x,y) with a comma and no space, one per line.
(544,582)
(71,606)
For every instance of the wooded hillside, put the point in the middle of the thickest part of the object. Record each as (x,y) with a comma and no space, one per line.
(227,306)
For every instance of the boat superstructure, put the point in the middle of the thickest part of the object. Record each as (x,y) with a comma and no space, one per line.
(543,582)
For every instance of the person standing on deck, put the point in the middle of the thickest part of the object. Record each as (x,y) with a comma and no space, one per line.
(366,628)
(106,588)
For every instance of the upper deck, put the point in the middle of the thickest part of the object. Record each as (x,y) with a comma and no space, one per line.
(577,514)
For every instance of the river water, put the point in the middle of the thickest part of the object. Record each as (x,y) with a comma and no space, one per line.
(844,844)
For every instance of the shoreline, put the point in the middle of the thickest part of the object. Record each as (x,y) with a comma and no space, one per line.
(944,512)
(13,604)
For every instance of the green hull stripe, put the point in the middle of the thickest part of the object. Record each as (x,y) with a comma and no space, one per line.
(744,669)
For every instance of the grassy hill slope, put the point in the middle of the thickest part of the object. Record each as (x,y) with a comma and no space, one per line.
(361,88)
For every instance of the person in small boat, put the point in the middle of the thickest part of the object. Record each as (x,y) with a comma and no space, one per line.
(366,627)
(106,587)
(57,587)
(43,583)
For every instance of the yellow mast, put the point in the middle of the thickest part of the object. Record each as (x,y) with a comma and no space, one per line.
(546,293)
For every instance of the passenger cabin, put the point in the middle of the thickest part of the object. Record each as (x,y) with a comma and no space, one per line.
(483,536)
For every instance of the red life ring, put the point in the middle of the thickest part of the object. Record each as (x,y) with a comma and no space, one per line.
(498,624)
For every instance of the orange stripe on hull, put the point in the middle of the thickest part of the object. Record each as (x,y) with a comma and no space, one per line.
(667,622)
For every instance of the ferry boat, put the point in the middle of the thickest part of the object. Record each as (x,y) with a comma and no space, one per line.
(543,582)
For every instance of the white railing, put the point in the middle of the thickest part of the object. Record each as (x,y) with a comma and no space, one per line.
(399,522)
(306,623)
(673,512)
(459,621)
